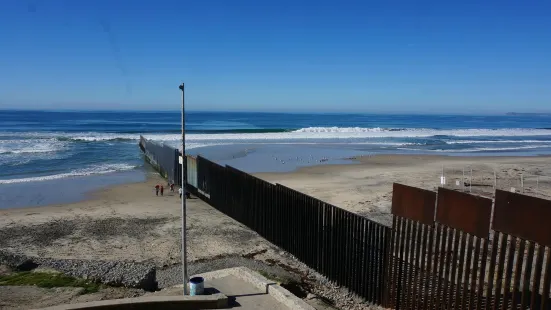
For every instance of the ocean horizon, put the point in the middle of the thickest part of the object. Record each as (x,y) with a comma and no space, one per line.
(47,146)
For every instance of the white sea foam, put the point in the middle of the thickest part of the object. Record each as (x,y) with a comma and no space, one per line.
(198,145)
(300,134)
(355,133)
(101,169)
(30,146)
(190,146)
(89,136)
(340,129)
(483,149)
(424,132)
(497,141)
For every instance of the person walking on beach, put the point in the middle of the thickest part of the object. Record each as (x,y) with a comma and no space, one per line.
(157,189)
(162,190)
(180,192)
(172,187)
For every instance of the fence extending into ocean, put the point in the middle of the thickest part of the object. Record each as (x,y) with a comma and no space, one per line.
(445,250)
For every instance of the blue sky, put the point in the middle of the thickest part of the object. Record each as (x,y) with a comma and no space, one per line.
(328,56)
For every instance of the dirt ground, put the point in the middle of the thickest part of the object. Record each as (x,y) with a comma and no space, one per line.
(29,297)
(125,222)
(128,222)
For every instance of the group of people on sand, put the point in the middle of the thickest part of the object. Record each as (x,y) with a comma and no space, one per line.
(161,188)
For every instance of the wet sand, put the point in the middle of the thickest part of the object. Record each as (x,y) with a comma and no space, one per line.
(63,191)
(125,222)
(129,222)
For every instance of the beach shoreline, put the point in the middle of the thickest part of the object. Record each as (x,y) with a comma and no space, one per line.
(64,190)
(122,222)
(302,174)
(367,159)
(128,222)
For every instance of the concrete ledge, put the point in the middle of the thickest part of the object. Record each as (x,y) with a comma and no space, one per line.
(270,287)
(215,301)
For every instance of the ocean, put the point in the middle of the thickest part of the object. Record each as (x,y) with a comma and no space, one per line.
(58,149)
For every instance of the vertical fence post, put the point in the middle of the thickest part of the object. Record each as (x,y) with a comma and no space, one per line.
(463,181)
(471,183)
(522,182)
(442,178)
(495,180)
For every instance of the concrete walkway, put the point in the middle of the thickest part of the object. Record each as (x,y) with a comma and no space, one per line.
(243,294)
(245,289)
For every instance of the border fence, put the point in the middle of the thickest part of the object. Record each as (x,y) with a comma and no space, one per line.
(445,250)
(163,158)
(349,249)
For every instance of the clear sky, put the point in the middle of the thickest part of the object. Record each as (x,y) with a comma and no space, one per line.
(286,55)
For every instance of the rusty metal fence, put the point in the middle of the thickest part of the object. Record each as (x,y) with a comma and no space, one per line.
(347,248)
(448,249)
(446,252)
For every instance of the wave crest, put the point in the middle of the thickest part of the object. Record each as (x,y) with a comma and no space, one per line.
(101,169)
(341,129)
(31,146)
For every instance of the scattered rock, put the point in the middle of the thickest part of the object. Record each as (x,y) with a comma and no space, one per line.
(5,270)
(255,253)
(17,262)
(113,273)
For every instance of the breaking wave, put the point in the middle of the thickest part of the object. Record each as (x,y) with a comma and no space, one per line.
(100,169)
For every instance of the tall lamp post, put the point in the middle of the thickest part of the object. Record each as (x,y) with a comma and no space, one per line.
(184,173)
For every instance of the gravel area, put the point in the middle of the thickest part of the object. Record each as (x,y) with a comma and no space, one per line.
(297,277)
(301,280)
(112,273)
(313,285)
(172,275)
(46,234)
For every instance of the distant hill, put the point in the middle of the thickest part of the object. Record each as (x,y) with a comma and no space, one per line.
(528,114)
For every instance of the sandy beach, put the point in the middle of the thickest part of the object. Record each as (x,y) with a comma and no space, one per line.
(128,222)
(124,222)
(365,187)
